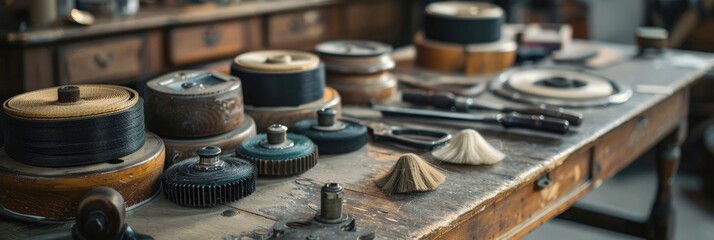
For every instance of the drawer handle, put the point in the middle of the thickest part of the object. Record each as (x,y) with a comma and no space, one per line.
(543,181)
(298,26)
(211,37)
(103,62)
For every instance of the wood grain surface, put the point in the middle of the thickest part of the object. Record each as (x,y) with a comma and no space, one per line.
(54,193)
(361,88)
(265,116)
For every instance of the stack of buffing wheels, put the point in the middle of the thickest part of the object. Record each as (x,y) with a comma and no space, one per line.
(359,70)
(64,141)
(464,37)
(283,86)
(209,179)
(278,153)
(193,109)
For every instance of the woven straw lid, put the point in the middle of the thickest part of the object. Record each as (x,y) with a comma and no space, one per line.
(94,100)
(277,61)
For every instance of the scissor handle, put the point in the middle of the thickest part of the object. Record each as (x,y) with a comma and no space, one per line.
(401,136)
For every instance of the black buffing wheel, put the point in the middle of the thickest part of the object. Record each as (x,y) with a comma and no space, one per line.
(463,22)
(331,136)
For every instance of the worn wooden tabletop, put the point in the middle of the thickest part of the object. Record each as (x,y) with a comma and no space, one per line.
(467,191)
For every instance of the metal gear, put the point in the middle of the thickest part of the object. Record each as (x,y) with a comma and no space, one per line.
(209,180)
(279,153)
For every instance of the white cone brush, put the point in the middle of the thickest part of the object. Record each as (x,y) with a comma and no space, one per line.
(411,173)
(469,147)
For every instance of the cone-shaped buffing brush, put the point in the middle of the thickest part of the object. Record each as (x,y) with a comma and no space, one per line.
(209,180)
(331,135)
(469,147)
(278,153)
(411,174)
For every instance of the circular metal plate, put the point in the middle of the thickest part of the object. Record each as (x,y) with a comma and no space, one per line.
(193,83)
(464,10)
(277,61)
(571,88)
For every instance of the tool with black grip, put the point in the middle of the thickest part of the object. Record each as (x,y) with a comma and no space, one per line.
(447,100)
(507,120)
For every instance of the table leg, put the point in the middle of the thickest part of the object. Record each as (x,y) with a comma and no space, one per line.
(659,224)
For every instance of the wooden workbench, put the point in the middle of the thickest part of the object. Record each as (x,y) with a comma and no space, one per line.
(475,202)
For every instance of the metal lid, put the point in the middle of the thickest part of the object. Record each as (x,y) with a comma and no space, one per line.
(464,10)
(353,48)
(277,61)
(356,56)
(192,83)
(71,102)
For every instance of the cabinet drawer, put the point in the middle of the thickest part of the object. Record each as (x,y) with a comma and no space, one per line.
(299,28)
(102,60)
(535,203)
(621,146)
(378,20)
(197,43)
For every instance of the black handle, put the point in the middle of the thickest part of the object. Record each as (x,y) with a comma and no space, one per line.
(443,100)
(574,118)
(536,122)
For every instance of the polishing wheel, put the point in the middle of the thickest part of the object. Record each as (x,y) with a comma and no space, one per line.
(265,116)
(209,179)
(47,193)
(463,22)
(469,59)
(275,78)
(193,104)
(278,153)
(364,88)
(330,135)
(73,125)
(179,149)
(356,56)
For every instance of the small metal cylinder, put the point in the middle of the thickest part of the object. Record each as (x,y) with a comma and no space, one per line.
(326,117)
(331,202)
(277,134)
(208,159)
(68,94)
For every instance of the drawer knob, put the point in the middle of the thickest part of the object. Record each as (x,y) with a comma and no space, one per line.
(211,37)
(298,26)
(543,181)
(103,62)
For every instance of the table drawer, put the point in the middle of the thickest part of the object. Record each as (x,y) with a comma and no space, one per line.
(528,204)
(622,145)
(299,28)
(102,60)
(197,43)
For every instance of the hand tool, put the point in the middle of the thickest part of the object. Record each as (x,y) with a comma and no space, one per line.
(414,138)
(446,100)
(507,120)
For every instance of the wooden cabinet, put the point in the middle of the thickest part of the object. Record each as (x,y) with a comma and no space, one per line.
(302,28)
(197,43)
(105,60)
(374,20)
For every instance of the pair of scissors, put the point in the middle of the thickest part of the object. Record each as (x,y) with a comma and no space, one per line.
(414,138)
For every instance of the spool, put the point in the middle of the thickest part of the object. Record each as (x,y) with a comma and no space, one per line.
(193,104)
(473,59)
(332,136)
(278,78)
(73,125)
(265,116)
(52,194)
(179,149)
(463,22)
(361,89)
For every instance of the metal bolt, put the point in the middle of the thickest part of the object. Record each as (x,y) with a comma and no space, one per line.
(277,134)
(208,159)
(331,202)
(68,94)
(326,117)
